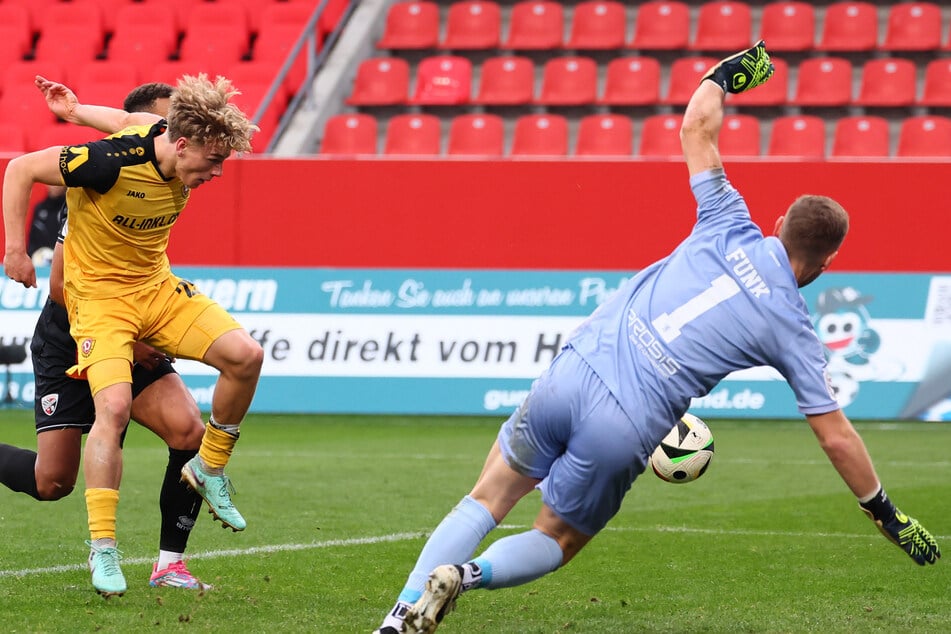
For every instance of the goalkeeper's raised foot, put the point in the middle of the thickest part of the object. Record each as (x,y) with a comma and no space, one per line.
(742,71)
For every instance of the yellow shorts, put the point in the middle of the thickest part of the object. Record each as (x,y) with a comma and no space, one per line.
(173,316)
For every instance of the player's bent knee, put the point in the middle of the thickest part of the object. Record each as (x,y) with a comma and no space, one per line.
(55,489)
(237,354)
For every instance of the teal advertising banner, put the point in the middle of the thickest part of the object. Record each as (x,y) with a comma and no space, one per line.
(471,341)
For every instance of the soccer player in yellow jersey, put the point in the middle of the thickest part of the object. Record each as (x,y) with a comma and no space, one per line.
(125,193)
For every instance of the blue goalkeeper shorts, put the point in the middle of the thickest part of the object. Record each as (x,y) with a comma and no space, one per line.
(571,433)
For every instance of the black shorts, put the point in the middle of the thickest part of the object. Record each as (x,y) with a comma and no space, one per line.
(60,401)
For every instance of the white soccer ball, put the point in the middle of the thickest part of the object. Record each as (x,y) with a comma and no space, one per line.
(685,453)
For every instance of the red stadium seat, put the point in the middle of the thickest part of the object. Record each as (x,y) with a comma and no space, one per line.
(16,28)
(849,26)
(540,135)
(535,25)
(723,25)
(73,14)
(889,82)
(473,25)
(477,135)
(413,134)
(285,14)
(108,8)
(349,134)
(411,25)
(913,26)
(861,136)
(824,81)
(507,80)
(23,73)
(685,74)
(774,92)
(214,47)
(35,9)
(12,138)
(605,135)
(443,80)
(924,136)
(739,136)
(275,43)
(598,25)
(661,25)
(937,84)
(252,10)
(69,45)
(23,104)
(256,78)
(569,81)
(230,14)
(105,82)
(632,81)
(381,81)
(143,46)
(10,51)
(170,72)
(178,9)
(788,25)
(143,29)
(799,136)
(660,136)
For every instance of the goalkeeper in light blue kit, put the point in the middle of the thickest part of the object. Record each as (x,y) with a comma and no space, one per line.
(727,298)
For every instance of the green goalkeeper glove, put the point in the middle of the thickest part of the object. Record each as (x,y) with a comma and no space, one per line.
(743,71)
(902,530)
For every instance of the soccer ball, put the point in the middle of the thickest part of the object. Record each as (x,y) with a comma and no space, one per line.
(685,453)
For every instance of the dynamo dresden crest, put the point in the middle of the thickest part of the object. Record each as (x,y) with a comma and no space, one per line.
(87,346)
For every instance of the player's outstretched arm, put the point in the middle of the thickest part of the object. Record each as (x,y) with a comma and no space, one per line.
(847,452)
(701,128)
(22,172)
(64,104)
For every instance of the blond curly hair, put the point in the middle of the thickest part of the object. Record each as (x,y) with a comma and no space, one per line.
(200,110)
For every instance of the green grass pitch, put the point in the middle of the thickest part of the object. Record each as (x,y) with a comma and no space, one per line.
(769,540)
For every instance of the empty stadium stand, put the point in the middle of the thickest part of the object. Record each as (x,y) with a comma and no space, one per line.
(552,77)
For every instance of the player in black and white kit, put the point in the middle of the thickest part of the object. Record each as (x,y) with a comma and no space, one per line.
(64,408)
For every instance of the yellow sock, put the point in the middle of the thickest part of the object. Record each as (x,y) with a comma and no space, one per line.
(101,505)
(216,447)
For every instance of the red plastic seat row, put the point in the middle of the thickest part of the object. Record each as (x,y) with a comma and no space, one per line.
(637,80)
(720,25)
(798,136)
(505,80)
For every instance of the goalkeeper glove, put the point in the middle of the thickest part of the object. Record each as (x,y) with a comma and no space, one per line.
(902,530)
(743,71)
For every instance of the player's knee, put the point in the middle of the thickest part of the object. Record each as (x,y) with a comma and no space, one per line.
(190,437)
(52,489)
(248,356)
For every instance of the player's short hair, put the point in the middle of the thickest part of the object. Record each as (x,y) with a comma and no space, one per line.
(200,110)
(142,98)
(814,228)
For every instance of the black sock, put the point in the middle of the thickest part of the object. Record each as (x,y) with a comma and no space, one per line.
(17,470)
(178,503)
